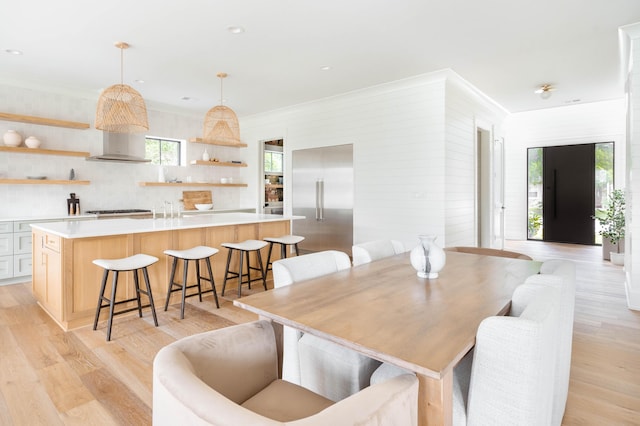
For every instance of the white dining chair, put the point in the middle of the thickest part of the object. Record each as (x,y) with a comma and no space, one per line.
(509,377)
(322,366)
(560,274)
(375,250)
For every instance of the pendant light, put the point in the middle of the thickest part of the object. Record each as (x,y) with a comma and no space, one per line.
(121,108)
(221,123)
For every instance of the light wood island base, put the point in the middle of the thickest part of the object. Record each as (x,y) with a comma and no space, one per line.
(66,283)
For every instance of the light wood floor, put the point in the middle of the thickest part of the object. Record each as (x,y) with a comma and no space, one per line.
(49,377)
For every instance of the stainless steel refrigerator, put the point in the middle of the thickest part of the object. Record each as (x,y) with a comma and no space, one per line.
(322,191)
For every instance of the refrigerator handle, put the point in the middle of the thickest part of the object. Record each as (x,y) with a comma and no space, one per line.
(319,200)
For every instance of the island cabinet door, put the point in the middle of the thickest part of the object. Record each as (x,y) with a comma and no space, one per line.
(83,289)
(216,235)
(154,244)
(273,229)
(47,273)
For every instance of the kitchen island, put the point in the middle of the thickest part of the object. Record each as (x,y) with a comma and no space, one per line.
(66,283)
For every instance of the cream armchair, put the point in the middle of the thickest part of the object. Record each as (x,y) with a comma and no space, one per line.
(319,365)
(228,377)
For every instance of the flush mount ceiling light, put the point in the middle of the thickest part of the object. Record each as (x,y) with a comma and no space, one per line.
(235,29)
(221,123)
(121,108)
(13,51)
(545,91)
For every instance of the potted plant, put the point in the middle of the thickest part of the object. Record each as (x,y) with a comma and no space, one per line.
(612,227)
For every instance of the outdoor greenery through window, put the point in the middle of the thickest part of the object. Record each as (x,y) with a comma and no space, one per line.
(272,161)
(604,185)
(165,152)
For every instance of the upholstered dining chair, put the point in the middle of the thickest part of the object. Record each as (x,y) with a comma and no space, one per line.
(374,250)
(510,374)
(322,366)
(559,274)
(228,377)
(489,252)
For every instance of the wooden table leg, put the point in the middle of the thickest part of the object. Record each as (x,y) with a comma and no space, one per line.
(435,400)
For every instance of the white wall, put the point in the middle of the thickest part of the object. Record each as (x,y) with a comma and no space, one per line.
(464,114)
(113,185)
(583,123)
(401,152)
(630,37)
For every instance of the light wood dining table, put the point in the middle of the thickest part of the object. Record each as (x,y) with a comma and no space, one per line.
(385,311)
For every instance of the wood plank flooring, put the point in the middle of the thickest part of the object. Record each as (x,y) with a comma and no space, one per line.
(49,377)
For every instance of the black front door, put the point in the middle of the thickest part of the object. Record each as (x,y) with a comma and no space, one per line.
(569,195)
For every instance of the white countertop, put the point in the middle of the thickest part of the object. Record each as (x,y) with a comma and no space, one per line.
(106,227)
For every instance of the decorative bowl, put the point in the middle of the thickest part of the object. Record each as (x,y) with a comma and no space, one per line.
(32,142)
(204,206)
(223,180)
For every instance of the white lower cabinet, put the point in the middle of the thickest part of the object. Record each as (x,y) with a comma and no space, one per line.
(6,267)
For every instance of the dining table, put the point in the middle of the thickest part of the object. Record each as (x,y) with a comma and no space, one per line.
(385,311)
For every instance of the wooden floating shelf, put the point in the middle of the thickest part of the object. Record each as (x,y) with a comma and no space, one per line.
(44,182)
(238,185)
(271,185)
(217,163)
(43,121)
(233,145)
(18,149)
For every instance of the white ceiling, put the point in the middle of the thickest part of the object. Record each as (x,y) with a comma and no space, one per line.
(505,48)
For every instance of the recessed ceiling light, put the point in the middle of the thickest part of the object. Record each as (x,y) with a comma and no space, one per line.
(140,81)
(13,51)
(325,68)
(235,29)
(185,98)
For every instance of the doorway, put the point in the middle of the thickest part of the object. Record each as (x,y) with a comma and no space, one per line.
(566,184)
(273,175)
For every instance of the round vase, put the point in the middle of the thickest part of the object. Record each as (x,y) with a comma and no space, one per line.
(427,258)
(205,155)
(32,142)
(12,138)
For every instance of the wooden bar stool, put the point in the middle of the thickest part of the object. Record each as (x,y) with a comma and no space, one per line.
(244,248)
(195,254)
(284,241)
(132,263)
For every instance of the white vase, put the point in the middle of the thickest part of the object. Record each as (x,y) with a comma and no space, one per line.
(205,155)
(427,258)
(32,142)
(12,138)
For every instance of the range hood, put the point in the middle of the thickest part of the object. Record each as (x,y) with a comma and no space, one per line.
(121,147)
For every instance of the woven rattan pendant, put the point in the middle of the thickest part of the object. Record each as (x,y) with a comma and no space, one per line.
(221,123)
(121,108)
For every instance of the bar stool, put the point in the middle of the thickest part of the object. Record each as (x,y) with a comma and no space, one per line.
(132,263)
(284,241)
(196,254)
(244,248)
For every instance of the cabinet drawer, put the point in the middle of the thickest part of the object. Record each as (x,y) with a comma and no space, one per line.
(22,226)
(22,242)
(52,242)
(6,227)
(6,244)
(6,267)
(21,265)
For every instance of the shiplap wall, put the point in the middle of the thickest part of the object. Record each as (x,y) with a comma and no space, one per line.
(113,185)
(582,123)
(463,114)
(401,153)
(632,258)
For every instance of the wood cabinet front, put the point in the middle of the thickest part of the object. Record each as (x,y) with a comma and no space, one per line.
(66,283)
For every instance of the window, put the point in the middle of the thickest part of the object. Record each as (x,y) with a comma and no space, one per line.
(162,151)
(273,162)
